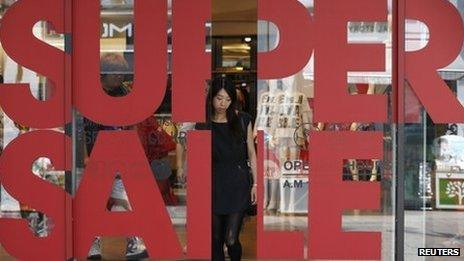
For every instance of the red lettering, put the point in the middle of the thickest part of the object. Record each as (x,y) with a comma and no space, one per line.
(21,45)
(273,244)
(291,55)
(334,57)
(191,64)
(18,179)
(445,41)
(295,38)
(329,195)
(199,205)
(150,64)
(121,152)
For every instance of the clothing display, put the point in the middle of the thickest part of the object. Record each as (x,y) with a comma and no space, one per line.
(337,127)
(266,120)
(10,132)
(366,167)
(377,175)
(157,144)
(293,115)
(155,141)
(362,167)
(182,133)
(285,117)
(182,140)
(281,114)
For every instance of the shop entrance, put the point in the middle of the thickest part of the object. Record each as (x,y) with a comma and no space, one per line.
(419,170)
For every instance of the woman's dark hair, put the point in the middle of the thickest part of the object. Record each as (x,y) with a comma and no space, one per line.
(218,84)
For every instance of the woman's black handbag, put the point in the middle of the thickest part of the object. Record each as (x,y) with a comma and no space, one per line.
(252,211)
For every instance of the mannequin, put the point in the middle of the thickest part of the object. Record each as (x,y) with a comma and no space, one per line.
(266,121)
(181,162)
(371,165)
(283,111)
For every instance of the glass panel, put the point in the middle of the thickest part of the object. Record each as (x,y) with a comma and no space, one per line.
(432,161)
(116,68)
(41,88)
(285,110)
(234,61)
(233,42)
(158,133)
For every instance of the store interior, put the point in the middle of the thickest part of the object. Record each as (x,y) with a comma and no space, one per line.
(432,159)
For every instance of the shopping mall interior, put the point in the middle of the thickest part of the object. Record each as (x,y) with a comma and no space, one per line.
(428,157)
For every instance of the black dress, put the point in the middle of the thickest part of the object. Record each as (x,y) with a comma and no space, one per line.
(231,181)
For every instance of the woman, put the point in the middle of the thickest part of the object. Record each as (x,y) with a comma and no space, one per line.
(233,187)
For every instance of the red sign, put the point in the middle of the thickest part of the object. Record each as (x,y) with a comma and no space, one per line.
(301,35)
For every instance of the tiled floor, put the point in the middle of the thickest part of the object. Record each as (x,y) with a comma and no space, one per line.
(423,229)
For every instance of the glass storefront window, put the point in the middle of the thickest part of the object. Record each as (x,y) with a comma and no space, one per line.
(285,114)
(432,161)
(421,173)
(41,89)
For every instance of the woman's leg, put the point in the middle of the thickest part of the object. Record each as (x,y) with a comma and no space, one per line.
(234,224)
(218,237)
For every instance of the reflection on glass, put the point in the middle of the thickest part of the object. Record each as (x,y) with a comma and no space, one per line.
(433,162)
(41,88)
(236,54)
(285,114)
